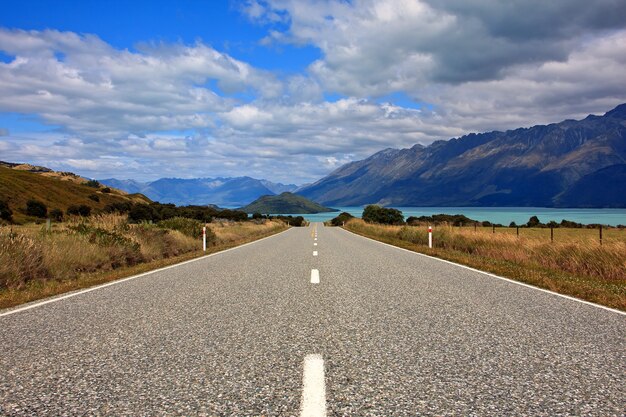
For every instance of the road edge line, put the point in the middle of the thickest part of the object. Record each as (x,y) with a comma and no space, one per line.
(119,281)
(568,297)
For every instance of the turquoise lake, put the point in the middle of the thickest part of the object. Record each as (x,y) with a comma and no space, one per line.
(502,215)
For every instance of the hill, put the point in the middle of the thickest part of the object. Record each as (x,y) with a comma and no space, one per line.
(230,192)
(285,203)
(563,164)
(17,186)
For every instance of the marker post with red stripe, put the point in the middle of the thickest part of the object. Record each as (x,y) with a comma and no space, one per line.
(430,237)
(204,238)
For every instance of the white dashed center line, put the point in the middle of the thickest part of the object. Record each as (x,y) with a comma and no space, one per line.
(315,244)
(315,276)
(313,387)
(314,253)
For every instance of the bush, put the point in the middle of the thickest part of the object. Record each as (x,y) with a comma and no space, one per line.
(142,212)
(189,227)
(513,224)
(106,190)
(94,197)
(36,208)
(343,217)
(123,207)
(382,215)
(257,216)
(533,222)
(5,211)
(92,184)
(80,210)
(56,214)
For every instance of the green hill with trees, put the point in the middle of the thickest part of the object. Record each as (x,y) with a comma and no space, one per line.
(285,203)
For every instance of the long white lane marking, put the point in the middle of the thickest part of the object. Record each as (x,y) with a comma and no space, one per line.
(493,275)
(314,253)
(315,244)
(313,387)
(315,239)
(315,276)
(119,281)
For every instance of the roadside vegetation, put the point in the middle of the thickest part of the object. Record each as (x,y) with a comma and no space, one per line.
(568,258)
(81,251)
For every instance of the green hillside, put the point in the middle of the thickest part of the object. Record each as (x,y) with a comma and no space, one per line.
(17,187)
(285,203)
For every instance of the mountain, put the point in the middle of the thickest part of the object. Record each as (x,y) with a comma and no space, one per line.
(57,190)
(285,203)
(232,192)
(567,164)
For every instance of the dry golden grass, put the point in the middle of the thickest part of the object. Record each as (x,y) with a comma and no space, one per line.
(35,263)
(574,264)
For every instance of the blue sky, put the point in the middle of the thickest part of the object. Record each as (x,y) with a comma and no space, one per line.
(289,90)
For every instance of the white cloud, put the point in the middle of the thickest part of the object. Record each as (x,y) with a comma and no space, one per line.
(477,66)
(88,87)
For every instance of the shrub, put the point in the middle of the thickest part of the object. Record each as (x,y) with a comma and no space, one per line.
(56,214)
(106,190)
(92,184)
(382,215)
(5,211)
(257,216)
(513,224)
(122,207)
(189,227)
(36,208)
(80,210)
(94,197)
(343,217)
(142,212)
(21,260)
(533,222)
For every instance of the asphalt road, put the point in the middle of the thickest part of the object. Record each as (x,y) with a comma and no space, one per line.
(392,333)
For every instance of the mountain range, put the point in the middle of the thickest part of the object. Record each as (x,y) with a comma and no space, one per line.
(225,192)
(568,164)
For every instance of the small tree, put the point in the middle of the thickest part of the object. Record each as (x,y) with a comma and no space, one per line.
(533,222)
(56,214)
(36,208)
(5,211)
(383,215)
(513,224)
(81,210)
(142,212)
(92,184)
(257,216)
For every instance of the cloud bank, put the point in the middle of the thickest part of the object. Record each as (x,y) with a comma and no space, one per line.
(191,110)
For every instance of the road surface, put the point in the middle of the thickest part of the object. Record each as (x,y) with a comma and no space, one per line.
(313,321)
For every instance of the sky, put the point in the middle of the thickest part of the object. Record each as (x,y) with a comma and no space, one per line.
(289,90)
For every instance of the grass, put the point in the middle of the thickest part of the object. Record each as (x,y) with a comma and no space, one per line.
(17,187)
(79,253)
(574,264)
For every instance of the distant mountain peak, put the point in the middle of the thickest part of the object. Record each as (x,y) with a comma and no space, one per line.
(221,191)
(521,167)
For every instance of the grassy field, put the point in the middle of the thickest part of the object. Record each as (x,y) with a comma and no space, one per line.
(81,252)
(17,187)
(574,263)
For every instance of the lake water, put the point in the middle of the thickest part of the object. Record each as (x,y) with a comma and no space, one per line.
(502,215)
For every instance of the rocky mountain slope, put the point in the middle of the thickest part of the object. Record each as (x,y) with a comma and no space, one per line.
(567,164)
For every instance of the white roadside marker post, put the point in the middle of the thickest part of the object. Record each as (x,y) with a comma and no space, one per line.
(204,238)
(430,237)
